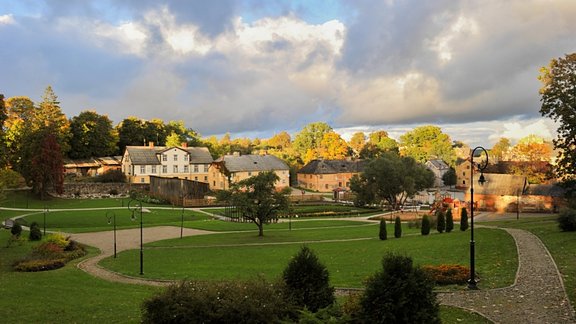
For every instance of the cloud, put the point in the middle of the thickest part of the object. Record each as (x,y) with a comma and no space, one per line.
(7,20)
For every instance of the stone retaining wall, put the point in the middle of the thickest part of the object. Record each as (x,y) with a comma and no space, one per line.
(99,190)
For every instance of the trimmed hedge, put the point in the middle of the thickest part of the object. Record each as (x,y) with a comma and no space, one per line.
(448,274)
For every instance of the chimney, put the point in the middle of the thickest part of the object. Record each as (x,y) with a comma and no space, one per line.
(151,144)
(184,144)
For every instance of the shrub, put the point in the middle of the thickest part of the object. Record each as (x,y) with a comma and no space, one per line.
(567,220)
(400,293)
(440,221)
(448,274)
(397,228)
(16,229)
(425,230)
(113,192)
(464,219)
(57,239)
(383,233)
(35,232)
(111,176)
(35,265)
(255,301)
(449,221)
(49,250)
(307,281)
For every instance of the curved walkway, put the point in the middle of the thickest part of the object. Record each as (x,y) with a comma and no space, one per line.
(537,296)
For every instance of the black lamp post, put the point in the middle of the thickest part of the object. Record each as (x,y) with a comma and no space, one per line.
(481,180)
(182,218)
(111,216)
(133,206)
(45,212)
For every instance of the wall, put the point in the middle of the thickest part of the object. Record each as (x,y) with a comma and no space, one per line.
(97,190)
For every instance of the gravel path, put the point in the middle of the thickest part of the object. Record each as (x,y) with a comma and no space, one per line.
(537,296)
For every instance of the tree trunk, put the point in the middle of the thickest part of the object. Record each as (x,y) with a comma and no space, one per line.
(260,230)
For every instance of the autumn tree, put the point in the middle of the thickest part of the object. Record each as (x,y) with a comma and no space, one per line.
(92,136)
(499,149)
(333,147)
(256,199)
(47,165)
(49,115)
(307,141)
(391,178)
(280,141)
(357,142)
(558,98)
(20,112)
(428,142)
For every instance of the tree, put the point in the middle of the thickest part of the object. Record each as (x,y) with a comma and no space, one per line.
(307,141)
(174,140)
(20,111)
(357,142)
(307,281)
(428,142)
(280,141)
(440,221)
(391,178)
(425,229)
(49,116)
(558,98)
(449,221)
(3,147)
(256,199)
(383,234)
(47,167)
(92,136)
(449,178)
(464,219)
(333,147)
(383,141)
(499,149)
(397,227)
(400,293)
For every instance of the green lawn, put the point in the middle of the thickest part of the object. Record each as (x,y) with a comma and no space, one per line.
(244,255)
(562,245)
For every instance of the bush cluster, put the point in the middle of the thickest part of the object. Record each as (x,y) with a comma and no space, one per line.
(447,274)
(51,254)
(567,220)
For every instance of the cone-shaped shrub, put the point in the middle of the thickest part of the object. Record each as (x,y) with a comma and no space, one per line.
(425,230)
(307,281)
(16,229)
(400,293)
(397,228)
(383,234)
(449,221)
(35,232)
(440,221)
(464,219)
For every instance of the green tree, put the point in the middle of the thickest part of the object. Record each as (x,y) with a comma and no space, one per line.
(307,281)
(440,221)
(383,233)
(3,146)
(174,140)
(499,149)
(425,229)
(307,141)
(391,178)
(49,116)
(256,199)
(464,219)
(397,227)
(383,141)
(449,221)
(130,133)
(17,126)
(428,142)
(400,293)
(558,98)
(449,178)
(92,136)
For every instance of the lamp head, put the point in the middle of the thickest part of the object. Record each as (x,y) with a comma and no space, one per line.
(481,180)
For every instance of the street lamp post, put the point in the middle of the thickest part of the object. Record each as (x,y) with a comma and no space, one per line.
(133,206)
(45,211)
(182,218)
(111,216)
(481,180)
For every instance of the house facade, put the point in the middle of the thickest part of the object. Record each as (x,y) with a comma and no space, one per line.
(329,175)
(233,168)
(190,163)
(439,168)
(462,173)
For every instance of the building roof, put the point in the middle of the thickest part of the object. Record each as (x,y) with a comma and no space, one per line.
(437,164)
(109,160)
(242,163)
(551,190)
(333,167)
(500,184)
(147,155)
(81,163)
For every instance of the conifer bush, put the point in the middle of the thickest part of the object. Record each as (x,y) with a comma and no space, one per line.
(425,229)
(16,229)
(449,221)
(397,228)
(440,221)
(383,233)
(464,219)
(35,232)
(307,281)
(567,220)
(400,293)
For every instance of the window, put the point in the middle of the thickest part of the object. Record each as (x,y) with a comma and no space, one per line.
(164,157)
(205,178)
(164,169)
(186,157)
(186,168)
(326,186)
(195,168)
(206,167)
(142,169)
(141,180)
(249,174)
(175,157)
(196,178)
(154,169)
(175,169)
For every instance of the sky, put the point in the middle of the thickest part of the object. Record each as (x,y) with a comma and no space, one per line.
(257,67)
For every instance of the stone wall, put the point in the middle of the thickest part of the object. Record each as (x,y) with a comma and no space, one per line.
(98,190)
